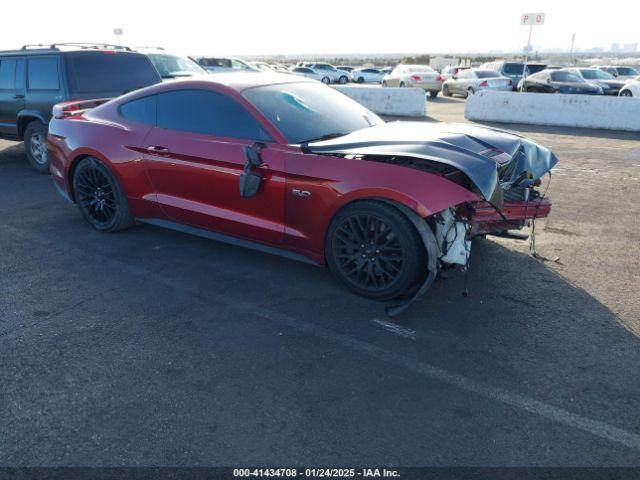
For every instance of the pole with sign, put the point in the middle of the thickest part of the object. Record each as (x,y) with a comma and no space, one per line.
(530,19)
(118,32)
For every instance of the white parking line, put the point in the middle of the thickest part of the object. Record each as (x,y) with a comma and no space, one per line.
(243,306)
(396,329)
(550,412)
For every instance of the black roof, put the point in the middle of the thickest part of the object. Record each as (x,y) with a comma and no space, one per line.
(33,49)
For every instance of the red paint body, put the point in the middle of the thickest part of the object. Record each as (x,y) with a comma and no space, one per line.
(197,183)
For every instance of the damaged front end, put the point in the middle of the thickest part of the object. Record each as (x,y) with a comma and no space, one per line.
(502,169)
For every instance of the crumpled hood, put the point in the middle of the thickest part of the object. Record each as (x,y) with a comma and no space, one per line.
(485,155)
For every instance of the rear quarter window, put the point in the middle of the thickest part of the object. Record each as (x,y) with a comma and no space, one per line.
(109,72)
(42,74)
(141,110)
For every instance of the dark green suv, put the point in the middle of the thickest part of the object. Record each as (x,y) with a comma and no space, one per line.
(35,78)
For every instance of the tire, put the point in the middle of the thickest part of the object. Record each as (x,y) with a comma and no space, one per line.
(445,91)
(433,94)
(360,80)
(326,80)
(384,83)
(343,80)
(34,146)
(626,93)
(469,92)
(100,198)
(383,268)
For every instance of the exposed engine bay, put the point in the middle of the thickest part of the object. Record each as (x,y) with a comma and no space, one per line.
(502,169)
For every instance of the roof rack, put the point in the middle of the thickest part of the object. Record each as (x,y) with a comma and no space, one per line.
(81,45)
(148,47)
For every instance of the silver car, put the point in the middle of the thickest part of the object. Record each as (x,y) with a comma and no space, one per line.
(468,82)
(420,76)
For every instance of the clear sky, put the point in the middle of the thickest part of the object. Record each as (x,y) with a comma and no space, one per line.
(261,27)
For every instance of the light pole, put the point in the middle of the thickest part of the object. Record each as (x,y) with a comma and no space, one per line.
(573,39)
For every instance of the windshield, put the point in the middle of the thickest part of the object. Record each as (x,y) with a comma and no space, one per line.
(626,71)
(308,111)
(593,74)
(565,77)
(513,68)
(170,66)
(487,74)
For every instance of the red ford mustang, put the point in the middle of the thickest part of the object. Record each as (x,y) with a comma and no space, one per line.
(288,165)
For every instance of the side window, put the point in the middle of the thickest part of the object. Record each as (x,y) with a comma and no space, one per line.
(7,74)
(141,110)
(207,113)
(42,74)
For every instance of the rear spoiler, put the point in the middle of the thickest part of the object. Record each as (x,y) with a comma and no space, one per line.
(76,107)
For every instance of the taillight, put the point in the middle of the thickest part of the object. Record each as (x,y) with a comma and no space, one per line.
(109,52)
(484,84)
(440,78)
(416,78)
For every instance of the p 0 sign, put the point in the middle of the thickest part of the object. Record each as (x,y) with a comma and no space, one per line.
(532,19)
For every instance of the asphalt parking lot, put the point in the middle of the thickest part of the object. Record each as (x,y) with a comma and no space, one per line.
(151,347)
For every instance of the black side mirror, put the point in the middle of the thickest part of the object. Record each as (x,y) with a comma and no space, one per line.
(250,181)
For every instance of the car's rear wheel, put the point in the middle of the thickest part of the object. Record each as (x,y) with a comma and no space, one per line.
(342,80)
(326,80)
(360,79)
(433,93)
(470,92)
(445,91)
(35,136)
(99,197)
(375,250)
(626,93)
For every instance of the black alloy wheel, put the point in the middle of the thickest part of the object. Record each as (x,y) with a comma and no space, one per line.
(375,250)
(99,197)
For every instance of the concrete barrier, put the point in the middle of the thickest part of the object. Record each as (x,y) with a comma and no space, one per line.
(406,102)
(586,111)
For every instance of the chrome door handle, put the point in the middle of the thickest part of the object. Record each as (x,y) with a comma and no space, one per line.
(158,150)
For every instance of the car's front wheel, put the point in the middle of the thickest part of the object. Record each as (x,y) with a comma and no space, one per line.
(375,250)
(445,91)
(35,136)
(99,197)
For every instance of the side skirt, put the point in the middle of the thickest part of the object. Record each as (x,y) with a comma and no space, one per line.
(220,237)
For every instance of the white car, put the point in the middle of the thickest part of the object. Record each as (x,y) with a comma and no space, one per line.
(262,66)
(366,75)
(311,73)
(631,89)
(225,64)
(621,73)
(335,75)
(420,76)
